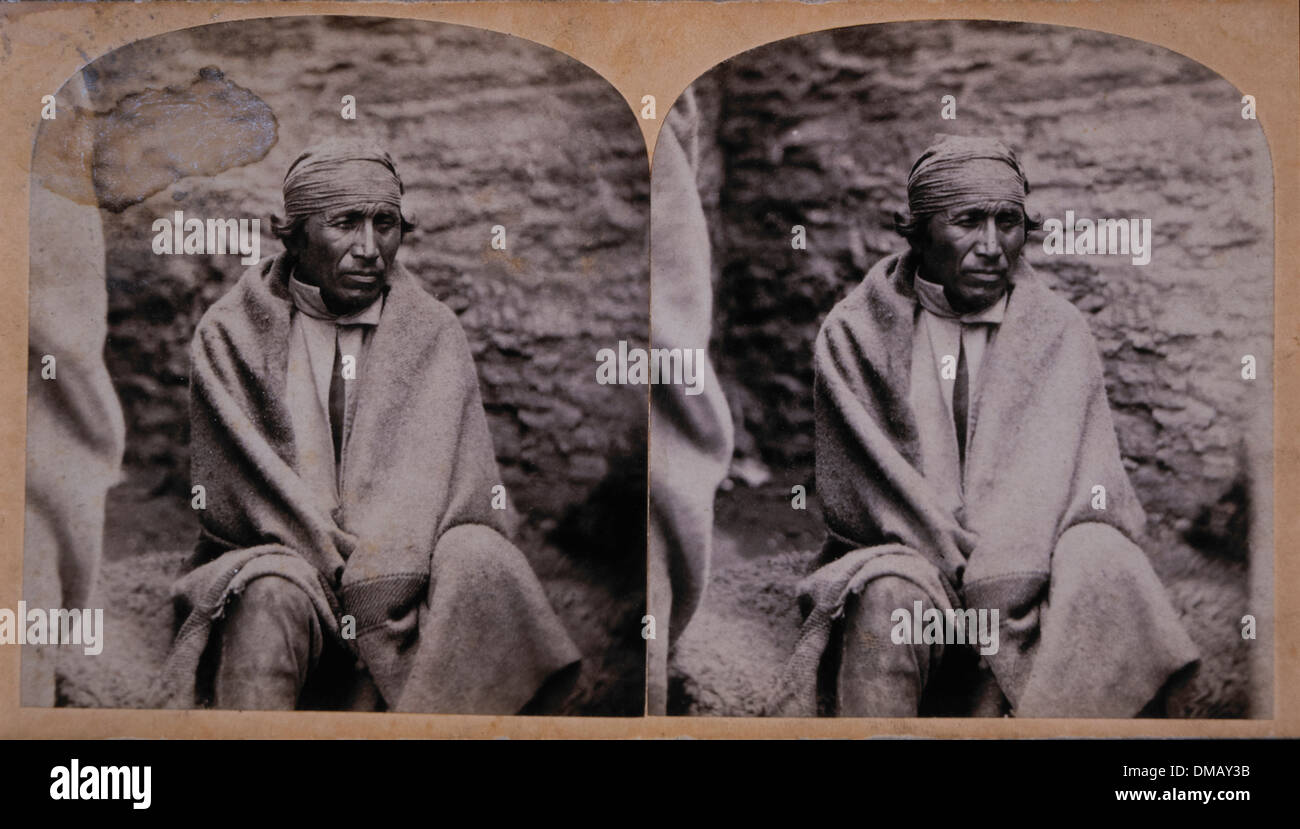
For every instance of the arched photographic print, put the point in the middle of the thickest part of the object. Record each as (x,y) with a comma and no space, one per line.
(992,331)
(313,420)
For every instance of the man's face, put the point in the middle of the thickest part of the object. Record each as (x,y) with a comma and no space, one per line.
(347,253)
(971,252)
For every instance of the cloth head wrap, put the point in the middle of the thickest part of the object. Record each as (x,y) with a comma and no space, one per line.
(959,170)
(336,174)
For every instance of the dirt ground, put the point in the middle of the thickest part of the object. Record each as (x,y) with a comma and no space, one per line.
(725,663)
(728,659)
(148,539)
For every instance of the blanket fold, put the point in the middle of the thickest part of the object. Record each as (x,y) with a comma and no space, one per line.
(1042,441)
(414,551)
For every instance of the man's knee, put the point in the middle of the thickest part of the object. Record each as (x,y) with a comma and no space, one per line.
(477,559)
(881,596)
(870,616)
(271,621)
(277,598)
(879,677)
(895,591)
(270,641)
(1105,560)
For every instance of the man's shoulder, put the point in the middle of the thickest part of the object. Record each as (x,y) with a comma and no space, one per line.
(239,304)
(851,306)
(420,309)
(1052,311)
(874,299)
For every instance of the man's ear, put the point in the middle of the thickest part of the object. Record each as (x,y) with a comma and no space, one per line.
(292,241)
(902,220)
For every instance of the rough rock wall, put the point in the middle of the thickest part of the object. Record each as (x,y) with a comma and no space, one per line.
(486,130)
(821,130)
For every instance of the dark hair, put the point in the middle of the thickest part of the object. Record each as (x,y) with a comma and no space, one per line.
(286,229)
(912,228)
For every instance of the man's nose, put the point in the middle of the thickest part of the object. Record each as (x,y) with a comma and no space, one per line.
(363,246)
(987,244)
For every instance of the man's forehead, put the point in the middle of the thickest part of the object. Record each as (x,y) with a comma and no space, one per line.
(361,209)
(984,207)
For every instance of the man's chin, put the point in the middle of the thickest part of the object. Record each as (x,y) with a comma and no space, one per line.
(977,298)
(351,300)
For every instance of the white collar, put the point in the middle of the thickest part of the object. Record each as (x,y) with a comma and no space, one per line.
(307,299)
(933,299)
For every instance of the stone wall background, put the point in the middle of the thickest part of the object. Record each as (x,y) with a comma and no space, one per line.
(820,130)
(485,129)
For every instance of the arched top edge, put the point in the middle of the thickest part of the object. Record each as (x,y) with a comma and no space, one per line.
(1002,21)
(359,15)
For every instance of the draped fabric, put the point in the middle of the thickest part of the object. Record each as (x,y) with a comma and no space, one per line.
(959,170)
(1086,627)
(339,173)
(690,435)
(449,616)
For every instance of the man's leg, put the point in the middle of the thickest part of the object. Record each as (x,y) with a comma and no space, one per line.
(270,642)
(339,681)
(877,677)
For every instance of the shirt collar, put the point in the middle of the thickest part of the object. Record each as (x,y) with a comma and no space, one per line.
(307,299)
(932,299)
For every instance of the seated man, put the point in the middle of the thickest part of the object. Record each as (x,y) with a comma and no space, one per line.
(350,555)
(970,473)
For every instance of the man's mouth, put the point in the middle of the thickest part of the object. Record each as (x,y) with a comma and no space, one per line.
(362,276)
(984,274)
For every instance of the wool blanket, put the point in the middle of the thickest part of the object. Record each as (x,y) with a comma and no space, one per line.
(690,435)
(449,616)
(75,429)
(1085,626)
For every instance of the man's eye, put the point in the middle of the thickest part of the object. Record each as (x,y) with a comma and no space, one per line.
(966,221)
